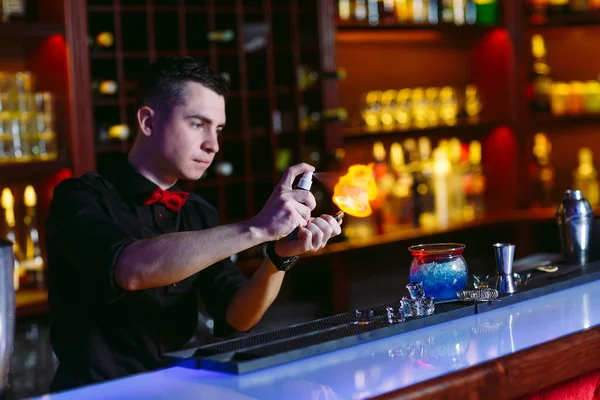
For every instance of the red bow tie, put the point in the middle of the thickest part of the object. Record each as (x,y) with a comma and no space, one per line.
(172,200)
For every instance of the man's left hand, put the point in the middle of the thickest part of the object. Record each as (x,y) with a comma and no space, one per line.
(312,237)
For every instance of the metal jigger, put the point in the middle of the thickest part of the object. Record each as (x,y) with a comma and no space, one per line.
(505,253)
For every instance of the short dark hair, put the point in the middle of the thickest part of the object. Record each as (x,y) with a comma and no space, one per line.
(165,80)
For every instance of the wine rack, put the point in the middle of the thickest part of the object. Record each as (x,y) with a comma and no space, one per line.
(277,64)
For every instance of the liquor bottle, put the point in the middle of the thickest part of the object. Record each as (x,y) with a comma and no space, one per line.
(472,103)
(433,106)
(103,41)
(541,75)
(538,10)
(447,11)
(448,105)
(470,12)
(372,109)
(585,177)
(387,11)
(456,198)
(402,114)
(388,107)
(224,36)
(360,10)
(33,263)
(420,11)
(373,12)
(441,179)
(459,12)
(46,146)
(580,6)
(12,9)
(419,107)
(401,199)
(7,202)
(307,77)
(424,186)
(543,171)
(474,183)
(105,88)
(486,12)
(558,6)
(404,11)
(433,12)
(344,10)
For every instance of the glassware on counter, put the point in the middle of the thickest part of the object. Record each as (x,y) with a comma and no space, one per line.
(441,267)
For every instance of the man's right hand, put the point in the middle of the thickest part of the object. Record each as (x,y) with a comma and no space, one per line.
(286,208)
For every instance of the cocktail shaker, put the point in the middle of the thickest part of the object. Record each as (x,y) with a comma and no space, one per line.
(7,307)
(574,216)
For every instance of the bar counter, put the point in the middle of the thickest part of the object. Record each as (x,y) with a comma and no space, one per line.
(504,353)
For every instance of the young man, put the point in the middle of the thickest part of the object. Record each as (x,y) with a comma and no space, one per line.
(129,256)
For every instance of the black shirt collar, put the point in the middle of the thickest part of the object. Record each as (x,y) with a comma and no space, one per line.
(134,186)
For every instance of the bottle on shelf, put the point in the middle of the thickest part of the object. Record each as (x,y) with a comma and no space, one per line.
(344,10)
(11,9)
(540,75)
(102,41)
(486,12)
(308,77)
(558,6)
(543,171)
(474,183)
(360,10)
(32,264)
(585,177)
(538,10)
(472,104)
(456,198)
(580,5)
(104,88)
(424,184)
(401,195)
(373,12)
(44,143)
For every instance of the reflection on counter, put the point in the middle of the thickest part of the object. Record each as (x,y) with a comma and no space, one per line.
(27,120)
(419,187)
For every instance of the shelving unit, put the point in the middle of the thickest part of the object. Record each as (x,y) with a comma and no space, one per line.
(265,105)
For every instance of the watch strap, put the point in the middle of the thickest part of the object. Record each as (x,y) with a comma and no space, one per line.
(281,263)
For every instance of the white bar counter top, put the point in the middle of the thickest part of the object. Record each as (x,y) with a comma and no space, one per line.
(377,367)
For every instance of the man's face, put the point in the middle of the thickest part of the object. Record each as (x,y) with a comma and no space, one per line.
(187,137)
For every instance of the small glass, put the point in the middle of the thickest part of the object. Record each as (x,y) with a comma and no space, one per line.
(364,317)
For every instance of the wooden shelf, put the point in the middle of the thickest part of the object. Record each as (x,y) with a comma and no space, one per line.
(464,130)
(569,20)
(12,30)
(23,171)
(547,119)
(31,302)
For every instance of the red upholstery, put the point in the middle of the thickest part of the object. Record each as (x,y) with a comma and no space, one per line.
(585,387)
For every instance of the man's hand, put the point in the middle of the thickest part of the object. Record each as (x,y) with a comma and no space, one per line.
(312,237)
(286,209)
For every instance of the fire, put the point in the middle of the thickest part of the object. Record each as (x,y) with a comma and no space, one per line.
(354,191)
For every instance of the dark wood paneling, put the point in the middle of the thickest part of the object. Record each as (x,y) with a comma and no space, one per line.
(514,375)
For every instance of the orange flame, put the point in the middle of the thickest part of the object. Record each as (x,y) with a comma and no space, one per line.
(355,190)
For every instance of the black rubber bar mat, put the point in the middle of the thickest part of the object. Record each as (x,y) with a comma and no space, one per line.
(296,342)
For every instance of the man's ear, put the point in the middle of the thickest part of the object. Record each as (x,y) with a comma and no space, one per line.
(145,117)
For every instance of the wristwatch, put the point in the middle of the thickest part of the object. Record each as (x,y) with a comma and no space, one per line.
(281,263)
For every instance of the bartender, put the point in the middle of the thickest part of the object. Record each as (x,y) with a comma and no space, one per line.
(129,256)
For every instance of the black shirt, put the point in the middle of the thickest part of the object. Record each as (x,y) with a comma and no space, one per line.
(98,330)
